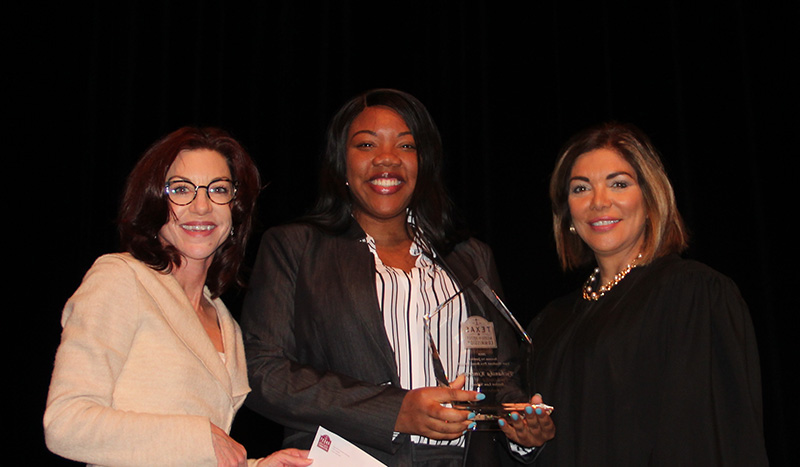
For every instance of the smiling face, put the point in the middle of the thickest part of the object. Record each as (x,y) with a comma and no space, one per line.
(607,207)
(199,228)
(381,165)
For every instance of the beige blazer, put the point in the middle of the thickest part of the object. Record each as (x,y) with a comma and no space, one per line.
(136,378)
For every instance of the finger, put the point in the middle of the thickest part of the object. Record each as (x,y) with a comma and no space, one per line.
(459,382)
(441,414)
(508,430)
(517,421)
(297,462)
(532,416)
(287,459)
(437,429)
(541,415)
(229,452)
(449,421)
(533,429)
(296,452)
(546,425)
(538,402)
(236,456)
(231,458)
(459,395)
(458,385)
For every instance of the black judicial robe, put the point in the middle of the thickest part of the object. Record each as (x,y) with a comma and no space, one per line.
(662,370)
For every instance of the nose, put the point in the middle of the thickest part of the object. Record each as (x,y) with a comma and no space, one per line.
(600,198)
(201,203)
(386,157)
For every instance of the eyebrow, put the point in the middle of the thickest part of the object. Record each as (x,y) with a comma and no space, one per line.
(608,177)
(370,132)
(181,178)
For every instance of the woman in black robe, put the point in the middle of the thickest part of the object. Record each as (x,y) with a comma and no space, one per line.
(654,360)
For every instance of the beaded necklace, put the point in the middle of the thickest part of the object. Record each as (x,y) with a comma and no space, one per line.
(589,294)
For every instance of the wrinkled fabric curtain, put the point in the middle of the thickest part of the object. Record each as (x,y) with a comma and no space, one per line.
(713,86)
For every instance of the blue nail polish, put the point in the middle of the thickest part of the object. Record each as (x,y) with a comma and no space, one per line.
(514,417)
(538,411)
(481,396)
(471,416)
(501,422)
(529,410)
(471,425)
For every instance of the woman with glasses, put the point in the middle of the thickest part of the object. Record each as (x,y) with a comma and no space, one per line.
(151,367)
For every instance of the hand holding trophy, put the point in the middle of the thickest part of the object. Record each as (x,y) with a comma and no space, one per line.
(498,357)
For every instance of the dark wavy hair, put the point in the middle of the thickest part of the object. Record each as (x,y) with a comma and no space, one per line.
(665,232)
(145,207)
(430,205)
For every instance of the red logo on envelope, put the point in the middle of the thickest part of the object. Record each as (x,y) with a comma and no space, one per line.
(324,443)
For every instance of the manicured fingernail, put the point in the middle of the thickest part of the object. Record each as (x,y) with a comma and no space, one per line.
(481,396)
(501,422)
(538,411)
(471,425)
(471,416)
(529,410)
(514,417)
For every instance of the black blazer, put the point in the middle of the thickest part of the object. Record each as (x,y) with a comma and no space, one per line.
(315,341)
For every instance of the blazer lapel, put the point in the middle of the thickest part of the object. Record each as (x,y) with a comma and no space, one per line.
(234,351)
(356,267)
(179,314)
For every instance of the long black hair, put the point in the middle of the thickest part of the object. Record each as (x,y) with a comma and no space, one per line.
(430,205)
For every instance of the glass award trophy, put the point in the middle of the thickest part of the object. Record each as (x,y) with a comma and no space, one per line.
(498,355)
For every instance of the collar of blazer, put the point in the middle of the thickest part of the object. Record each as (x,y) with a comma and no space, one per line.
(179,314)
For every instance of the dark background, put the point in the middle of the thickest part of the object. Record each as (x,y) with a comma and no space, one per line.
(91,86)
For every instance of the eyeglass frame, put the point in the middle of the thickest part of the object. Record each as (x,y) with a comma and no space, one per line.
(197,187)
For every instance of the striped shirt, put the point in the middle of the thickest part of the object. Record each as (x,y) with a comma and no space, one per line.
(405,298)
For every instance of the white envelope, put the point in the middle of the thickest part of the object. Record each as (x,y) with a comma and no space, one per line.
(331,450)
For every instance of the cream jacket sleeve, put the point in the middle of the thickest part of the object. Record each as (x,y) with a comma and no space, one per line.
(136,379)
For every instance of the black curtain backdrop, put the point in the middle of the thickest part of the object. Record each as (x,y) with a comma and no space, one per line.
(713,83)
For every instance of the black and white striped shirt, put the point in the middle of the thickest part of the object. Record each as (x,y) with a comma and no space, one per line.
(405,299)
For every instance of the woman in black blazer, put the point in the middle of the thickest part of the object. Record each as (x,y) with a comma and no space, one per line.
(336,298)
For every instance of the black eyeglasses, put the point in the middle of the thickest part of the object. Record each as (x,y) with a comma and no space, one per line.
(182,192)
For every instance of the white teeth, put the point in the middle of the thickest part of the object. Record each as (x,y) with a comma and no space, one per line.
(198,228)
(601,223)
(385,182)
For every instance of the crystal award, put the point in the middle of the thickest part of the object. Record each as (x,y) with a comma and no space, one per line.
(498,354)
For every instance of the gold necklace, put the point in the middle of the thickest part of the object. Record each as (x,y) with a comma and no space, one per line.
(589,294)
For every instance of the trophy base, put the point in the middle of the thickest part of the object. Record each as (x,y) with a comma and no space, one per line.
(486,416)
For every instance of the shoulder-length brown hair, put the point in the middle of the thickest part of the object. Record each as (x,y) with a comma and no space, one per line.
(665,232)
(145,207)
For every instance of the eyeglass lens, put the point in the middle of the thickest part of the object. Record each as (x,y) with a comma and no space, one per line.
(183,192)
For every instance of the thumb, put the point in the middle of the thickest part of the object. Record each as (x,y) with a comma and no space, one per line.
(459,382)
(456,392)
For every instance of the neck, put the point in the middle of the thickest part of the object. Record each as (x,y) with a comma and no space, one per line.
(392,241)
(390,233)
(610,267)
(191,275)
